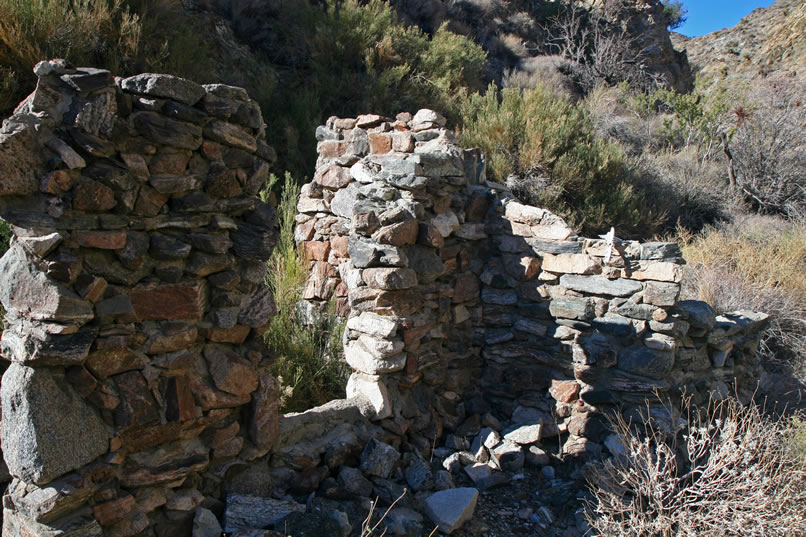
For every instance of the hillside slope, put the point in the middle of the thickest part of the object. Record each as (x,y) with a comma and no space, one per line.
(766,41)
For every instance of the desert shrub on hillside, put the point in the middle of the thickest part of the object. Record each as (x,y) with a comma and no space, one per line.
(546,147)
(768,147)
(756,263)
(732,472)
(307,360)
(356,57)
(604,49)
(124,36)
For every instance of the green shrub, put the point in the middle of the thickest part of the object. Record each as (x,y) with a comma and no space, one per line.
(675,13)
(307,356)
(356,57)
(124,36)
(549,145)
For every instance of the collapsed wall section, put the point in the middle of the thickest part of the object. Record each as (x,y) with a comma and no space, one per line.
(498,309)
(135,302)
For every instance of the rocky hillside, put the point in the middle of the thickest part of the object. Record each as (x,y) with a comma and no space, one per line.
(768,40)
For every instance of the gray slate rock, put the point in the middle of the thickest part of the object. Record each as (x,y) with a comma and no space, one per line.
(47,429)
(450,509)
(404,522)
(599,285)
(205,524)
(246,512)
(646,362)
(164,86)
(28,292)
(698,313)
(379,459)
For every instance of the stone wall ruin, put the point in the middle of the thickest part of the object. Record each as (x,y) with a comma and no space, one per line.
(139,401)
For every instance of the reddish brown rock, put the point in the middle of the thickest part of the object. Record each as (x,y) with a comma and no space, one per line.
(212,150)
(333,149)
(429,235)
(316,250)
(90,288)
(93,196)
(178,301)
(224,185)
(264,420)
(379,144)
(466,288)
(181,405)
(237,334)
(114,511)
(169,161)
(149,202)
(173,336)
(137,406)
(57,182)
(564,391)
(81,379)
(320,282)
(65,266)
(111,356)
(104,240)
(230,372)
(400,234)
(333,177)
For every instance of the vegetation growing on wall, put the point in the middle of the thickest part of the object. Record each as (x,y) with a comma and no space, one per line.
(547,148)
(307,361)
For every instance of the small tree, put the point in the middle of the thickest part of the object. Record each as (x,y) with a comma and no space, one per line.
(675,13)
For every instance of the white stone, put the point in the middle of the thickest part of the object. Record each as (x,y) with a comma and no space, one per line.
(373,324)
(450,509)
(660,342)
(312,205)
(373,390)
(361,172)
(350,276)
(446,223)
(661,271)
(570,263)
(472,231)
(361,359)
(380,348)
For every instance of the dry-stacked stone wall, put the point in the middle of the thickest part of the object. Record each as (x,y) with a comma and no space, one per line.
(134,300)
(480,331)
(495,310)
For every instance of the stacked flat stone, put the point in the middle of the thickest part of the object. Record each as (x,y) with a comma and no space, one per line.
(425,256)
(599,325)
(135,303)
(390,232)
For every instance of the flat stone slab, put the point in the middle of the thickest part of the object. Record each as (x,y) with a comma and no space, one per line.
(599,285)
(450,509)
(245,512)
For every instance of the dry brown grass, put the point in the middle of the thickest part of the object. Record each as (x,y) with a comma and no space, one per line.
(756,263)
(732,473)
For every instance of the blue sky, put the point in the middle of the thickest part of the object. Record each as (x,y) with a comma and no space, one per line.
(706,16)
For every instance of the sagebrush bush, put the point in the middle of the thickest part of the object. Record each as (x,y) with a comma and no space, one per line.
(768,147)
(307,351)
(756,263)
(732,472)
(550,147)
